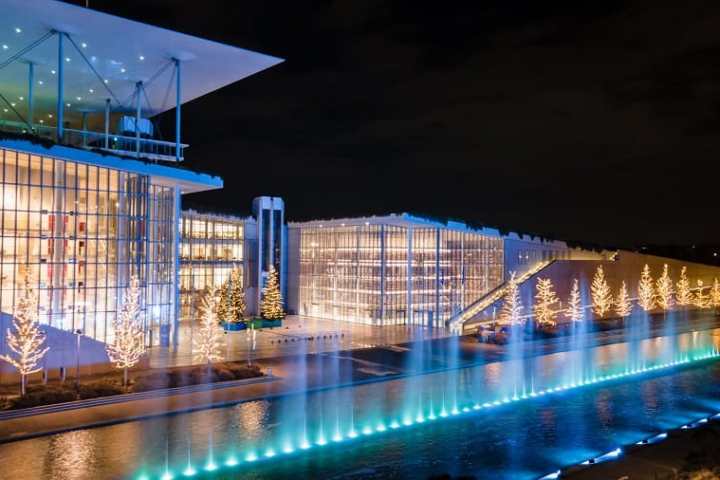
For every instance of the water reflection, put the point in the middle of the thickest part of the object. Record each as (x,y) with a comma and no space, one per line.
(521,440)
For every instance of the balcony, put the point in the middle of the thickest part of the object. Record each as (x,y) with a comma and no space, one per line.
(126,146)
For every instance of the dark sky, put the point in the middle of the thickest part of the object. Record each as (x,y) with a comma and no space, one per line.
(592,123)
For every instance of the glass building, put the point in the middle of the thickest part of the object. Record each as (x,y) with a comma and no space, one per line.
(212,246)
(90,193)
(79,231)
(392,270)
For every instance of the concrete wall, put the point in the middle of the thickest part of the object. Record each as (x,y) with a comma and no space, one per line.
(62,353)
(627,266)
(523,252)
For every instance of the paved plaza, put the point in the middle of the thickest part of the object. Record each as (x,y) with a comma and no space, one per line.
(298,335)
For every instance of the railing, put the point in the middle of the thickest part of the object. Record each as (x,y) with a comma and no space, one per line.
(458,321)
(146,148)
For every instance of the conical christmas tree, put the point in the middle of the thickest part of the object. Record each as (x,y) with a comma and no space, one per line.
(236,297)
(272,302)
(512,306)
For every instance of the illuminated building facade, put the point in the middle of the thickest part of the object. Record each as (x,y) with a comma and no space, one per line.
(211,247)
(90,194)
(392,270)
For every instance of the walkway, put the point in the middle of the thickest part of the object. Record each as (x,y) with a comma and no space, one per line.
(357,366)
(293,338)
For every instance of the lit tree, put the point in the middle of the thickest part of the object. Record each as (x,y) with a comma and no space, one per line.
(512,305)
(601,295)
(272,302)
(664,290)
(223,308)
(623,305)
(701,299)
(26,341)
(546,299)
(237,296)
(231,302)
(575,310)
(129,344)
(684,295)
(646,290)
(206,341)
(715,294)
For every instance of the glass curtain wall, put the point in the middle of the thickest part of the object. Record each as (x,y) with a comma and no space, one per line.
(394,275)
(80,231)
(211,247)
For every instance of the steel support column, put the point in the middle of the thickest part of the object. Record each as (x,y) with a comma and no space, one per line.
(138,112)
(178,109)
(59,110)
(107,123)
(30,93)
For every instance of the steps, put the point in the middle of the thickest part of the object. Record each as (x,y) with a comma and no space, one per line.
(458,322)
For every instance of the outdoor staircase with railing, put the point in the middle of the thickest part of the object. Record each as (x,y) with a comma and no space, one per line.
(458,322)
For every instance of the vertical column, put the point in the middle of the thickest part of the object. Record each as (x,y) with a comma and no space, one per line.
(382,274)
(409,307)
(84,128)
(30,93)
(59,109)
(138,112)
(176,274)
(437,319)
(107,123)
(178,111)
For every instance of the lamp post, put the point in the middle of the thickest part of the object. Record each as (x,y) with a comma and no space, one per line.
(78,334)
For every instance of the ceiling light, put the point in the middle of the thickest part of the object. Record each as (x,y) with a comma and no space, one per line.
(67,59)
(40,82)
(12,103)
(21,98)
(78,98)
(141,57)
(53,72)
(106,81)
(83,44)
(18,30)
(5,47)
(49,115)
(5,110)
(93,58)
(68,105)
(91,91)
(122,70)
(42,121)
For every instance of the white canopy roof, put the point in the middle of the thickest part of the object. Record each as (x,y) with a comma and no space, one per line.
(121,51)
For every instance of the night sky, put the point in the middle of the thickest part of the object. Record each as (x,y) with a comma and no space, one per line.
(588,123)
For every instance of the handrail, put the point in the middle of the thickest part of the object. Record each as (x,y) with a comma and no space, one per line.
(149,148)
(457,322)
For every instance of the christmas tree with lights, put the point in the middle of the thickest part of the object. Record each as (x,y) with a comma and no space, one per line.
(272,301)
(26,340)
(664,290)
(623,305)
(512,306)
(545,300)
(129,344)
(601,295)
(575,310)
(646,290)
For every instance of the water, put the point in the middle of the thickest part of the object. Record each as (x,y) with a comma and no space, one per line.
(349,432)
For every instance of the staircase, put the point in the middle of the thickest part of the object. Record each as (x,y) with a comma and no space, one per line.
(458,322)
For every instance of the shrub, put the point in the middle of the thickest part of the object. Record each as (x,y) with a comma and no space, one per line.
(44,395)
(152,381)
(99,389)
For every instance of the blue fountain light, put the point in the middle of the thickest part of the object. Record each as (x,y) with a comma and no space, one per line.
(189,471)
(394,425)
